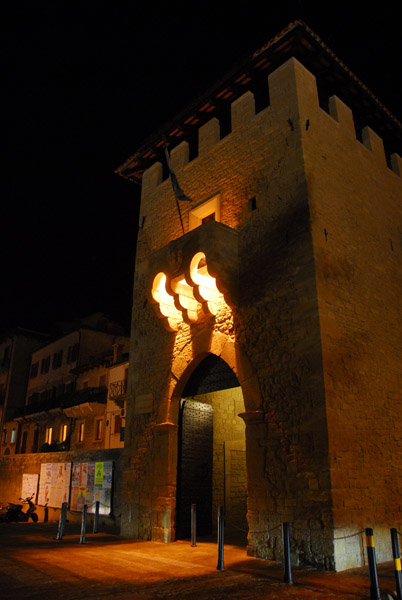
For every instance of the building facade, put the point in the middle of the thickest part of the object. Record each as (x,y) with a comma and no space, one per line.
(66,393)
(16,348)
(266,332)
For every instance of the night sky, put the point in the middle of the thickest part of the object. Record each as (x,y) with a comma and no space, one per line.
(83,84)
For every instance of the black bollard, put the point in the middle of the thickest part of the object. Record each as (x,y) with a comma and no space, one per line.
(46,515)
(83,524)
(287,567)
(193,525)
(374,589)
(397,562)
(221,532)
(96,517)
(62,521)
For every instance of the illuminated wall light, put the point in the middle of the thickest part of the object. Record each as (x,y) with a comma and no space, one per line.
(164,303)
(188,299)
(204,284)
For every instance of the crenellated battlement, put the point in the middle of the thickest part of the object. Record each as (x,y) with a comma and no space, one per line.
(284,93)
(285,263)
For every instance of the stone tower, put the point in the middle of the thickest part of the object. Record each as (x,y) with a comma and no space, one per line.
(266,344)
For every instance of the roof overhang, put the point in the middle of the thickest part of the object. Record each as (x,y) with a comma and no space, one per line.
(297,40)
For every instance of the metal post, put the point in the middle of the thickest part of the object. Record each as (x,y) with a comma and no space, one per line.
(83,524)
(221,532)
(287,566)
(374,589)
(96,517)
(193,525)
(46,515)
(62,521)
(397,562)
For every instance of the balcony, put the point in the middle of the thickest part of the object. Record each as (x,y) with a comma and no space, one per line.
(80,398)
(118,389)
(118,392)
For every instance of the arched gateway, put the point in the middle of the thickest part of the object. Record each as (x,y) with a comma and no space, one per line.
(211,470)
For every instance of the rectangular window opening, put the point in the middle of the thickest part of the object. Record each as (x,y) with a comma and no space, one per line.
(63,433)
(48,435)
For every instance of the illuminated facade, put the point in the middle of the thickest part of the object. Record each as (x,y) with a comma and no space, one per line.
(65,400)
(270,328)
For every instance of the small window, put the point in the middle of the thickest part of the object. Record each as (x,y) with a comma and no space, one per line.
(81,432)
(34,370)
(98,429)
(57,359)
(72,353)
(252,204)
(24,442)
(49,435)
(102,381)
(206,211)
(4,436)
(45,365)
(13,436)
(63,433)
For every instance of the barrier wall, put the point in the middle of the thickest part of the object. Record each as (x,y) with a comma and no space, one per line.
(12,469)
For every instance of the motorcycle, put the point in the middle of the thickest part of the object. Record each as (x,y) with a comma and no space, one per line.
(14,513)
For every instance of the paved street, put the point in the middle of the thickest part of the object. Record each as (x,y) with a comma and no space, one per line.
(33,565)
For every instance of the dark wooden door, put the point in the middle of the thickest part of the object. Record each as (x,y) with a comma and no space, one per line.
(195,468)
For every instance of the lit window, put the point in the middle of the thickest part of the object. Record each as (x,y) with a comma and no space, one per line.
(4,436)
(98,429)
(207,211)
(63,433)
(81,432)
(49,434)
(13,436)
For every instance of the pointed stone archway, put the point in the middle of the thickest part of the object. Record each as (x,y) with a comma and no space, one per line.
(232,474)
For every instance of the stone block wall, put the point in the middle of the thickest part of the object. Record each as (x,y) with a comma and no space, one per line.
(12,469)
(317,217)
(274,325)
(356,220)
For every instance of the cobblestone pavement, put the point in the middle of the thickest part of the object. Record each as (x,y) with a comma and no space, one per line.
(33,565)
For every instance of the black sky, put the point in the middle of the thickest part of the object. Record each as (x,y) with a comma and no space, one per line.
(84,83)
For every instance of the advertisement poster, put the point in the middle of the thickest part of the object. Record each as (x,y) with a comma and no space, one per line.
(54,484)
(29,485)
(99,473)
(92,482)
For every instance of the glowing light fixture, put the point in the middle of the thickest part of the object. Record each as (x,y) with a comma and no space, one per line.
(187,297)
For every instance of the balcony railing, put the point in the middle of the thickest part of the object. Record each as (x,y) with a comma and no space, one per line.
(118,389)
(98,394)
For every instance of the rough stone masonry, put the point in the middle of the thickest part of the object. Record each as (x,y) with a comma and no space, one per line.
(307,256)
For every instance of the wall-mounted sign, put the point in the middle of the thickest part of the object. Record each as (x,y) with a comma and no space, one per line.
(54,484)
(91,482)
(29,485)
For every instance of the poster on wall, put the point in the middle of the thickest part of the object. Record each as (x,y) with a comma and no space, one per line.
(54,484)
(30,486)
(91,482)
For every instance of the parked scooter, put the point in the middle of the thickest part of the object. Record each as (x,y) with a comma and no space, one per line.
(14,512)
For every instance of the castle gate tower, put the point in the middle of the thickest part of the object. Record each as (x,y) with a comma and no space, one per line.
(266,330)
